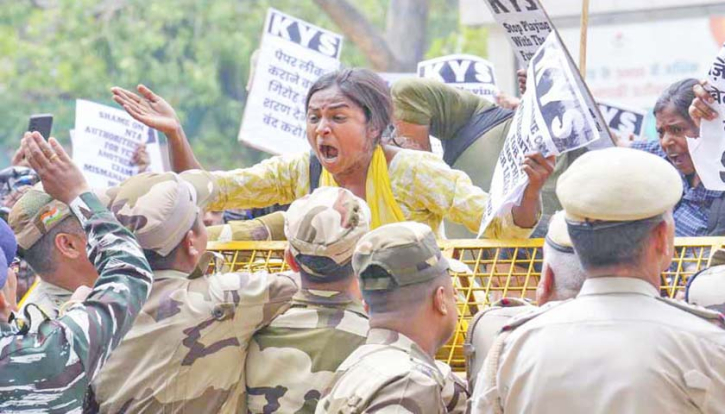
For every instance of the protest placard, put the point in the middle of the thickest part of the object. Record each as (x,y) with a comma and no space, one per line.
(708,151)
(526,24)
(623,120)
(292,56)
(553,118)
(466,72)
(104,142)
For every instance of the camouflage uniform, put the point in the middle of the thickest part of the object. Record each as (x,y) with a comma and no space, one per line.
(265,228)
(391,373)
(49,372)
(294,359)
(187,349)
(35,214)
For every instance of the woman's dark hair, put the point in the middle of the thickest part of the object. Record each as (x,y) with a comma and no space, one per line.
(364,87)
(680,95)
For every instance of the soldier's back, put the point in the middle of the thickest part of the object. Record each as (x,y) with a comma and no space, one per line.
(294,359)
(186,351)
(390,372)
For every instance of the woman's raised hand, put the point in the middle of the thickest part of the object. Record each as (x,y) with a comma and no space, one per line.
(149,108)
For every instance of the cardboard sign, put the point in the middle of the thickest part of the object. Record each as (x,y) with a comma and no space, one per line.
(292,56)
(466,72)
(553,118)
(708,151)
(104,142)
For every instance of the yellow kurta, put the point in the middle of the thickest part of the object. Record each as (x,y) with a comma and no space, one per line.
(426,189)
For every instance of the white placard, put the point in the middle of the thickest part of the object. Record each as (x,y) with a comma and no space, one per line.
(526,25)
(466,72)
(623,120)
(104,141)
(292,56)
(553,118)
(708,151)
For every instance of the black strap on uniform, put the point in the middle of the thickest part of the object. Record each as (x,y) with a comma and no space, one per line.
(479,124)
(315,172)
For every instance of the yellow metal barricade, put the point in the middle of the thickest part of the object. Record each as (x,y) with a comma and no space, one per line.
(498,268)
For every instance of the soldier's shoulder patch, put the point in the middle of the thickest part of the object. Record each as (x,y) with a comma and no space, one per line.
(711,316)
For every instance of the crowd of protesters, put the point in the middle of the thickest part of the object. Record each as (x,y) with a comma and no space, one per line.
(126,318)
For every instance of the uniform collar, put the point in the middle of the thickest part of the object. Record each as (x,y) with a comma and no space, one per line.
(379,336)
(170,274)
(331,298)
(53,290)
(611,284)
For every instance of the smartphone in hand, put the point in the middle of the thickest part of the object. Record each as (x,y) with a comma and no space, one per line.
(42,123)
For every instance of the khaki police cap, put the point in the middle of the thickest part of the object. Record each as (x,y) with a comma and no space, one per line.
(707,288)
(36,213)
(407,253)
(327,223)
(618,184)
(558,234)
(159,208)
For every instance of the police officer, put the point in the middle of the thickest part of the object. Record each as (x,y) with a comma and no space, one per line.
(618,346)
(412,306)
(293,360)
(561,278)
(50,371)
(187,350)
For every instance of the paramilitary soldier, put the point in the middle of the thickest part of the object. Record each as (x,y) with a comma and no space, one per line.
(50,371)
(411,302)
(618,347)
(293,360)
(186,351)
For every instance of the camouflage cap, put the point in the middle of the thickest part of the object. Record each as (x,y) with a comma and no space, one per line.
(407,252)
(36,213)
(327,223)
(159,208)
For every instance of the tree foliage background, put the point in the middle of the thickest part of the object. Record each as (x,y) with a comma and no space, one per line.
(195,53)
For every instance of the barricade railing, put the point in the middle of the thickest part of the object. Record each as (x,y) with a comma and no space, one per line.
(498,268)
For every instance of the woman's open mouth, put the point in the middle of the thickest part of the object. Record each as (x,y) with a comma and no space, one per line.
(328,152)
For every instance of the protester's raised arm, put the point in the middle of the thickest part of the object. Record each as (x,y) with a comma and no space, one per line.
(153,111)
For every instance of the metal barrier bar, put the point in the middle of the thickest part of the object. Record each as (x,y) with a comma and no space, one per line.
(499,268)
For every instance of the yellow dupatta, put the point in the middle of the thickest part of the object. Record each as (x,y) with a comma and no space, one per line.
(378,191)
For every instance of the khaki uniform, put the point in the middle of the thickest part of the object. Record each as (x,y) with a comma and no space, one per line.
(390,372)
(292,361)
(483,329)
(186,351)
(617,348)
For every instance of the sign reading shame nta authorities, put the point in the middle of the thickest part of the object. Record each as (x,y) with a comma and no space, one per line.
(293,54)
(622,120)
(526,25)
(553,118)
(708,151)
(104,142)
(467,72)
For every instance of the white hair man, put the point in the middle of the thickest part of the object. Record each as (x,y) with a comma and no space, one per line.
(561,278)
